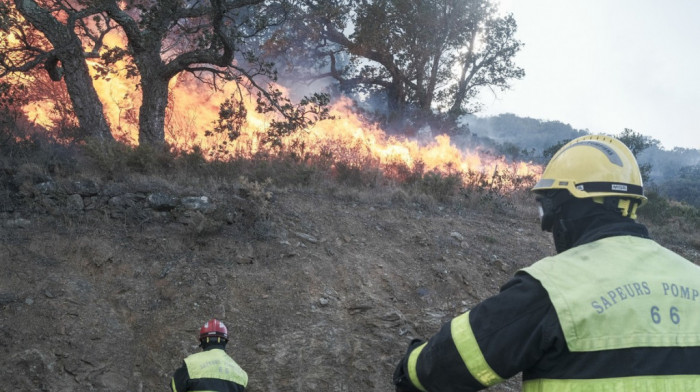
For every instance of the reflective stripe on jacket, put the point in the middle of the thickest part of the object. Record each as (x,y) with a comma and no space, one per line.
(462,341)
(214,370)
(623,384)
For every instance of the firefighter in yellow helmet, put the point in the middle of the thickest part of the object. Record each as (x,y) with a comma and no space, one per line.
(212,369)
(612,311)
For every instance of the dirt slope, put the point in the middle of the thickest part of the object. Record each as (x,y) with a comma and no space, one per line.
(106,282)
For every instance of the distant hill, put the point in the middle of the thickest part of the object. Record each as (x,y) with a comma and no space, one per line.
(525,132)
(674,173)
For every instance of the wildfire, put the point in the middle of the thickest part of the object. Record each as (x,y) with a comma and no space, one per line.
(346,138)
(438,155)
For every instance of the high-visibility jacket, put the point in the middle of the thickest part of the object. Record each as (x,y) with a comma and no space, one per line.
(622,293)
(212,371)
(619,313)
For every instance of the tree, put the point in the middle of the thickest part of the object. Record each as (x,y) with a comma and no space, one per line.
(409,50)
(491,66)
(686,186)
(217,41)
(637,143)
(39,36)
(549,152)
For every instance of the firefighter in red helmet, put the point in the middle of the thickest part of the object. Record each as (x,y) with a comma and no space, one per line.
(211,369)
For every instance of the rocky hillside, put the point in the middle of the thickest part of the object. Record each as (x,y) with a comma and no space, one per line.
(106,279)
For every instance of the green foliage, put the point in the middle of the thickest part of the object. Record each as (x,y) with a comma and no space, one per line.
(549,152)
(497,191)
(108,158)
(284,171)
(406,53)
(192,159)
(115,60)
(232,116)
(660,211)
(514,152)
(149,159)
(19,146)
(295,117)
(685,187)
(658,167)
(636,142)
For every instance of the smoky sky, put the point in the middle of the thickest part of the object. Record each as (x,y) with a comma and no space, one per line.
(604,66)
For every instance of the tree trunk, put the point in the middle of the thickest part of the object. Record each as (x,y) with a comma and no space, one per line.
(152,112)
(456,109)
(394,94)
(465,77)
(86,103)
(69,51)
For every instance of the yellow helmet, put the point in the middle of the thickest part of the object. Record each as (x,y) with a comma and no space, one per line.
(594,166)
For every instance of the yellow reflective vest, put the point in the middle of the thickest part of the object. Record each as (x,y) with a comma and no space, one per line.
(214,370)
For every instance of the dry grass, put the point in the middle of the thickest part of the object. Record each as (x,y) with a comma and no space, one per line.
(354,177)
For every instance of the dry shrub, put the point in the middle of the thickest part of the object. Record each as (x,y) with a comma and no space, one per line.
(118,160)
(285,171)
(670,221)
(19,147)
(442,187)
(357,176)
(108,158)
(256,215)
(402,173)
(661,211)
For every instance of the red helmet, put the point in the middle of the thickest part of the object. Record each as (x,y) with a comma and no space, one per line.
(213,329)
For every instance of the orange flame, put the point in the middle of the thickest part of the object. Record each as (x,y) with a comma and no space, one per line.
(346,139)
(439,154)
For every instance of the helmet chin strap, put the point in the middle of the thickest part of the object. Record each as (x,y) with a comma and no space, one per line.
(626,207)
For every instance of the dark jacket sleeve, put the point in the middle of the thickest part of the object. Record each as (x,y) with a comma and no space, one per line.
(178,383)
(496,340)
